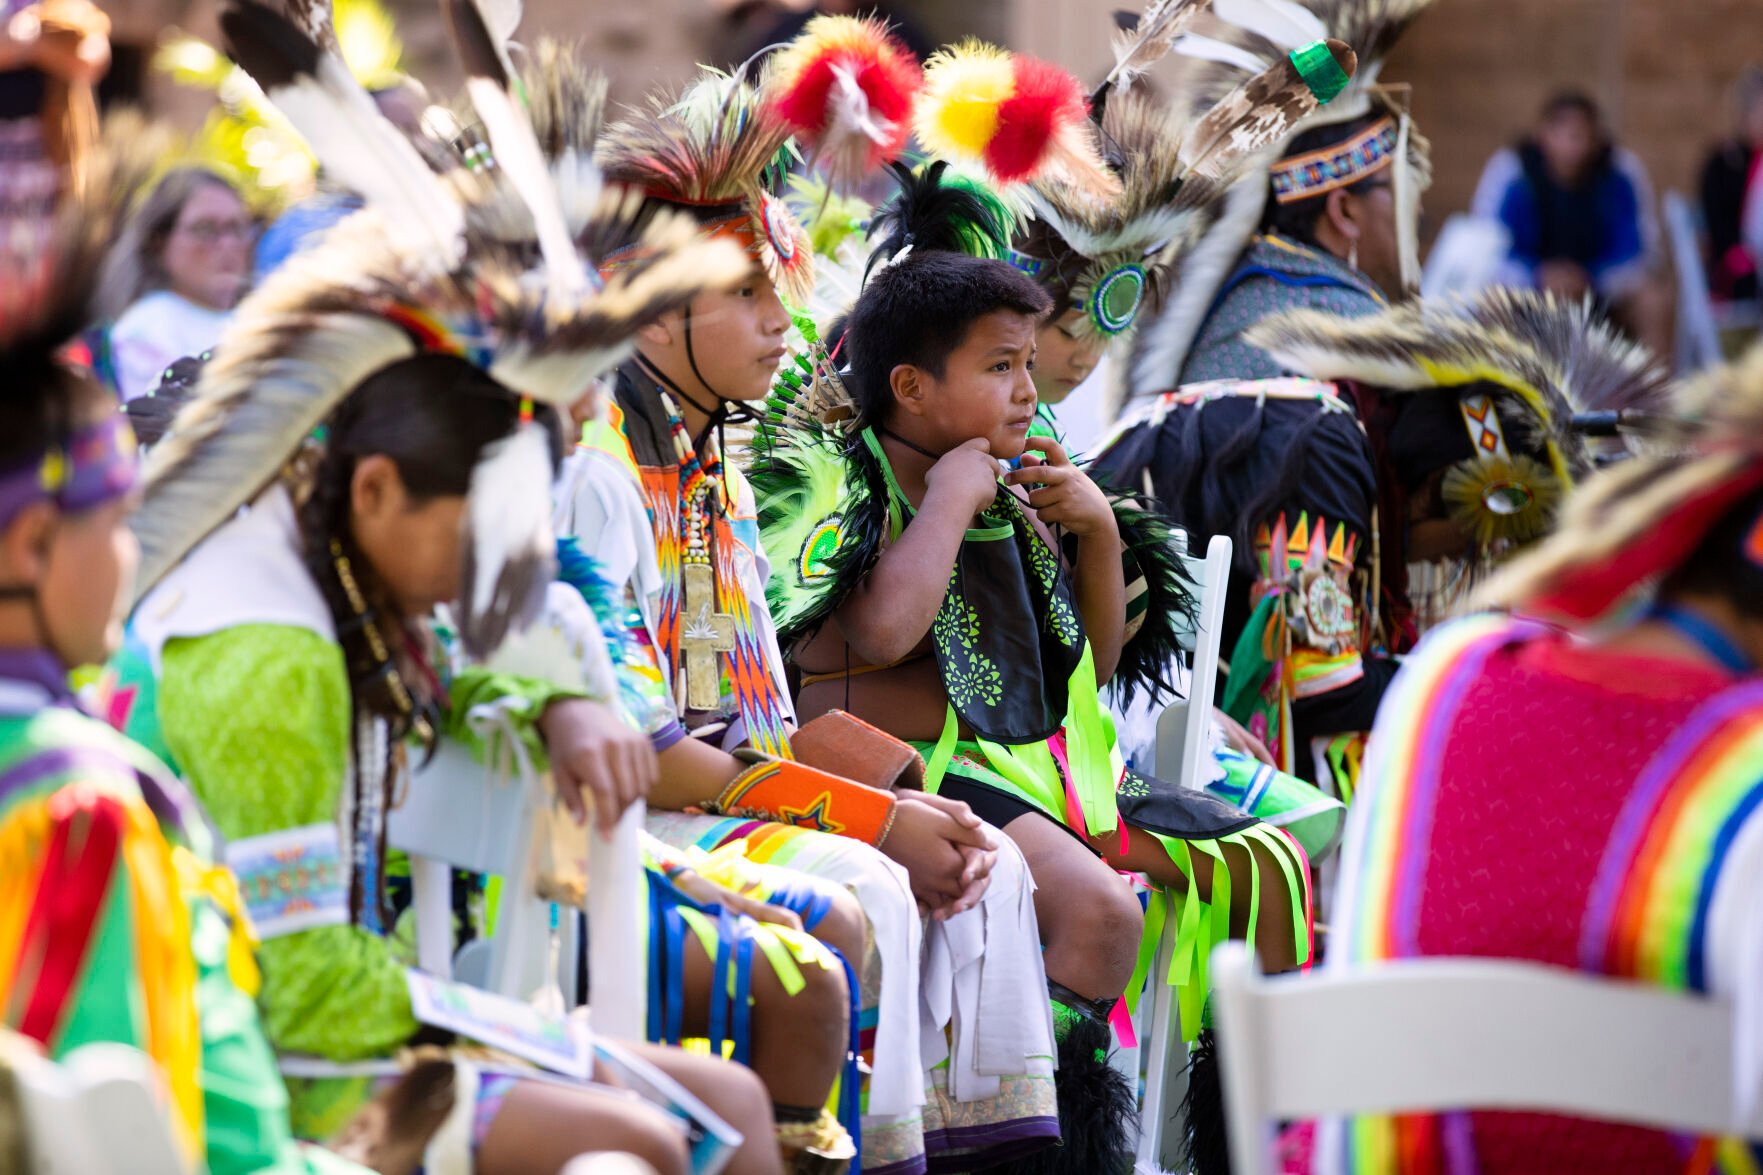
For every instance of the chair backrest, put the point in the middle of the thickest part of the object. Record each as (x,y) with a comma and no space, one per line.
(1183,742)
(1182,730)
(1466,258)
(98,1112)
(1698,333)
(460,813)
(1440,1034)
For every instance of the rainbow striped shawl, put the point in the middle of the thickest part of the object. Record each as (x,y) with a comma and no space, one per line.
(1649,913)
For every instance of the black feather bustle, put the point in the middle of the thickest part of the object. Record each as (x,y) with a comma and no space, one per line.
(1172,603)
(267,45)
(1098,1112)
(943,215)
(1206,1146)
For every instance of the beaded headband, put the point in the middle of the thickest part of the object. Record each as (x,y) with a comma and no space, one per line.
(1316,173)
(95,466)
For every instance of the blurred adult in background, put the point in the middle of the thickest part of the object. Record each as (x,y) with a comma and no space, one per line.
(1730,185)
(52,54)
(180,266)
(1579,210)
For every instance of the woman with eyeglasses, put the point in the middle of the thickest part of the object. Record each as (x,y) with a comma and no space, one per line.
(178,269)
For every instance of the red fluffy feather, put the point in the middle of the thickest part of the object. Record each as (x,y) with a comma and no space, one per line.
(807,92)
(1046,107)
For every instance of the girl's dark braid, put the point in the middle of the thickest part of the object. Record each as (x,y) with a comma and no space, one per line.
(323,520)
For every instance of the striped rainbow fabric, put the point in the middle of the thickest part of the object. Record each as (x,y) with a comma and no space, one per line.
(1648,913)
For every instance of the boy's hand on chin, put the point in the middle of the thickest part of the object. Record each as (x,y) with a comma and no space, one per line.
(1063,494)
(968,474)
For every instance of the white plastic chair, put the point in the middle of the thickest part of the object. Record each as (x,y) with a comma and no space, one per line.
(1440,1034)
(460,814)
(100,1111)
(1698,334)
(1183,742)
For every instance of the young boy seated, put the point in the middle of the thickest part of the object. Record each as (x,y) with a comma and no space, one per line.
(976,619)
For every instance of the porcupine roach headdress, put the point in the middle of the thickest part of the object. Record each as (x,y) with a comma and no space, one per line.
(1014,115)
(846,88)
(408,276)
(1239,38)
(1630,525)
(1513,365)
(713,151)
(1109,255)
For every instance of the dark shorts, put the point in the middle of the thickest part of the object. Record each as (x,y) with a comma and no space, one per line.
(999,808)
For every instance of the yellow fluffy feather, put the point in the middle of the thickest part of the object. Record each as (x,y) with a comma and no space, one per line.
(963,88)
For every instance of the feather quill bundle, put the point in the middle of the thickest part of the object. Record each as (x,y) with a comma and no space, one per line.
(1149,40)
(489,82)
(337,313)
(1111,254)
(714,149)
(1224,54)
(846,87)
(1560,356)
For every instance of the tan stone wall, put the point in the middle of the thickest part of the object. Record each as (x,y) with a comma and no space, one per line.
(1480,68)
(1663,69)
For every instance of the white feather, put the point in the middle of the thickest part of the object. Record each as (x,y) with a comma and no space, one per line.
(361,151)
(1287,24)
(502,18)
(511,548)
(556,377)
(1208,49)
(519,157)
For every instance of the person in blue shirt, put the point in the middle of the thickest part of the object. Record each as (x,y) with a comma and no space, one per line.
(1579,213)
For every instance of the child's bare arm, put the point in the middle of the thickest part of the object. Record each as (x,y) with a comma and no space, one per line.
(1063,495)
(891,610)
(1100,586)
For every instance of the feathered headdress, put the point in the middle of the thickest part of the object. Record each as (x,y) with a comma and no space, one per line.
(1630,525)
(1110,255)
(1236,40)
(846,88)
(378,291)
(1517,366)
(713,151)
(1014,115)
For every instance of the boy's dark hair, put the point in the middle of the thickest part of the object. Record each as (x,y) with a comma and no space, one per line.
(919,311)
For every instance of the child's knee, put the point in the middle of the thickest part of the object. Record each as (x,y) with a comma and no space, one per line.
(1096,935)
(650,1135)
(822,1006)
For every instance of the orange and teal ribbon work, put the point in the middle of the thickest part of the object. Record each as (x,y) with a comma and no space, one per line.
(793,793)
